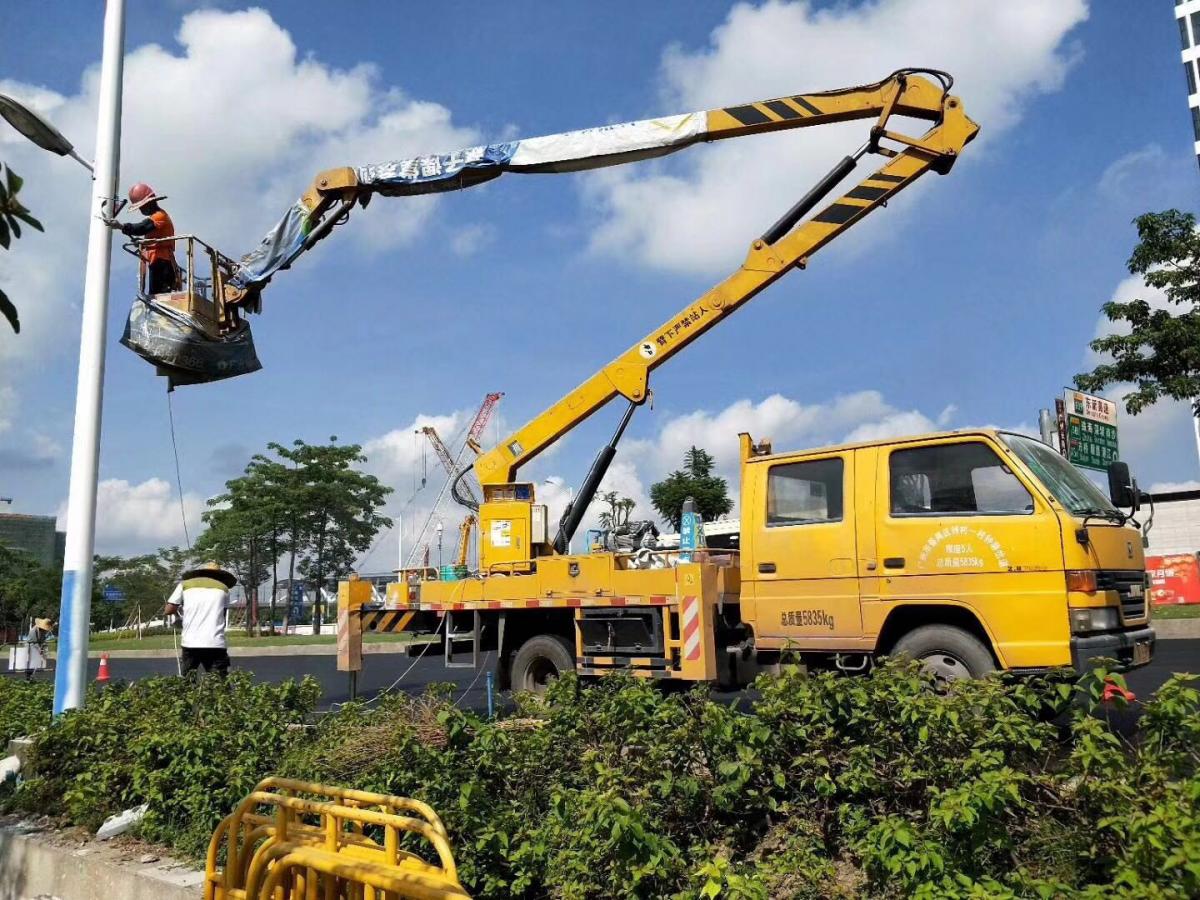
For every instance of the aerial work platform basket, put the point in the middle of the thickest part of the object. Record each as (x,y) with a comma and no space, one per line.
(191,333)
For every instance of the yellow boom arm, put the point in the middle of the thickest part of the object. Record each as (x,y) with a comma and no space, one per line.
(780,248)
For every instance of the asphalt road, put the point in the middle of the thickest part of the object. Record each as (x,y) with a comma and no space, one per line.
(381,671)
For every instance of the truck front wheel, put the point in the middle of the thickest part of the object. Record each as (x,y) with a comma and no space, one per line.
(539,661)
(950,653)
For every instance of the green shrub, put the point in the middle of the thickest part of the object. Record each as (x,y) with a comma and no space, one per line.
(189,750)
(822,786)
(24,707)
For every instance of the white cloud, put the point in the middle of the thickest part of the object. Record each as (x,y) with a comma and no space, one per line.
(28,449)
(864,415)
(1132,288)
(470,239)
(8,406)
(1167,487)
(894,425)
(1126,173)
(1142,436)
(789,423)
(404,454)
(698,213)
(138,518)
(232,124)
(22,448)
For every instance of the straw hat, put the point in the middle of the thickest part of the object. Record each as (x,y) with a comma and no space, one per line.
(212,569)
(43,624)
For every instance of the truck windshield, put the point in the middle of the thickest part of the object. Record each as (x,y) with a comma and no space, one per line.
(1069,486)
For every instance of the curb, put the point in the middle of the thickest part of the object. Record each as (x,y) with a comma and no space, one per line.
(235,652)
(38,862)
(1176,629)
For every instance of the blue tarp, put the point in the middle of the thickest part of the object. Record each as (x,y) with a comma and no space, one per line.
(569,151)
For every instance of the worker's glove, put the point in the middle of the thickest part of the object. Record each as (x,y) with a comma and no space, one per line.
(110,221)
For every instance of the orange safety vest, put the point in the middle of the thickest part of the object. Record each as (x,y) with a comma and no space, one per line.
(163,228)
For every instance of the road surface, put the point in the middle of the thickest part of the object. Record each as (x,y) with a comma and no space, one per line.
(380,671)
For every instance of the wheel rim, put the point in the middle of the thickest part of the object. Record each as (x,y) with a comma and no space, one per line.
(540,675)
(945,666)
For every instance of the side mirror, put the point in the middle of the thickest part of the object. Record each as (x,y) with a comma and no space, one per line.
(1121,489)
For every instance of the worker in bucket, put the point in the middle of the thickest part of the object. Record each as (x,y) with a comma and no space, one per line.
(160,272)
(201,598)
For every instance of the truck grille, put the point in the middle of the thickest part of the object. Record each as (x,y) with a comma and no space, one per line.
(1130,586)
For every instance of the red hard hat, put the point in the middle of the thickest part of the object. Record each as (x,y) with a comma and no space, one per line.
(141,194)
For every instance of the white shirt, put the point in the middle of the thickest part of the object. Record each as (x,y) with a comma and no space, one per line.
(203,602)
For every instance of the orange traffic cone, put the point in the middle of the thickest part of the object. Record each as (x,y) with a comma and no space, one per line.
(102,675)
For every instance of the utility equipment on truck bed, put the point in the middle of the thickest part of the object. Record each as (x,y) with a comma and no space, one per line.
(970,550)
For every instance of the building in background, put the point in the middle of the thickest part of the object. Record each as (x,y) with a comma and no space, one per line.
(36,535)
(1176,526)
(1174,541)
(1187,15)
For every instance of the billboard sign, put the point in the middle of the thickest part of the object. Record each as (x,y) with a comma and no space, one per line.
(1173,579)
(1091,430)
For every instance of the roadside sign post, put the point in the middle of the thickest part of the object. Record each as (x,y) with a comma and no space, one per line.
(1090,424)
(1047,428)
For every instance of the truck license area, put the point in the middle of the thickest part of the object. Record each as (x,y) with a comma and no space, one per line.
(807,618)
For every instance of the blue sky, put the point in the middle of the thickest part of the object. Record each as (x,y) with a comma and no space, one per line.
(969,301)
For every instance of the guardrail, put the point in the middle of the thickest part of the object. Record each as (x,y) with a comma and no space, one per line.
(306,841)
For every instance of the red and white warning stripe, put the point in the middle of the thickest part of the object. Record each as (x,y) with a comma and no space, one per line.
(691,628)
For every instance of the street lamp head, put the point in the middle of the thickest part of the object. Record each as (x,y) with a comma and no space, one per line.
(34,127)
(38,130)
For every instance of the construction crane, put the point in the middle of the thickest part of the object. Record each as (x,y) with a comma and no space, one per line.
(454,474)
(464,540)
(450,465)
(475,432)
(455,483)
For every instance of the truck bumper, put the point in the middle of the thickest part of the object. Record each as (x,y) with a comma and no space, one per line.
(1118,645)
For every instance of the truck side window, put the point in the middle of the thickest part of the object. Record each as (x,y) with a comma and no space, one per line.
(956,479)
(804,493)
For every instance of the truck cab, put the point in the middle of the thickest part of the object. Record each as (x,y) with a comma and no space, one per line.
(971,550)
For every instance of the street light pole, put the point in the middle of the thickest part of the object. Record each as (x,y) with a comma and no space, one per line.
(70,677)
(1196,427)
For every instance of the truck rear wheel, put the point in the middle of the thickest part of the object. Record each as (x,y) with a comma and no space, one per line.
(539,661)
(950,653)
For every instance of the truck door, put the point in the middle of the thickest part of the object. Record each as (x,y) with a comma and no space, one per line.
(956,524)
(803,554)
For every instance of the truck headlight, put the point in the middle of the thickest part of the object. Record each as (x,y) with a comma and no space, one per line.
(1103,618)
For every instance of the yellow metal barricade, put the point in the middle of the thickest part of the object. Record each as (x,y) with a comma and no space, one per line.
(292,840)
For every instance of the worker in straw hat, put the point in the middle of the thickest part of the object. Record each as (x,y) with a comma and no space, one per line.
(40,630)
(201,598)
(160,272)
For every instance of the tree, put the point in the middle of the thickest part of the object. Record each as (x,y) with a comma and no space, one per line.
(12,213)
(236,537)
(310,503)
(1160,356)
(339,510)
(694,480)
(146,581)
(27,588)
(273,487)
(618,510)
